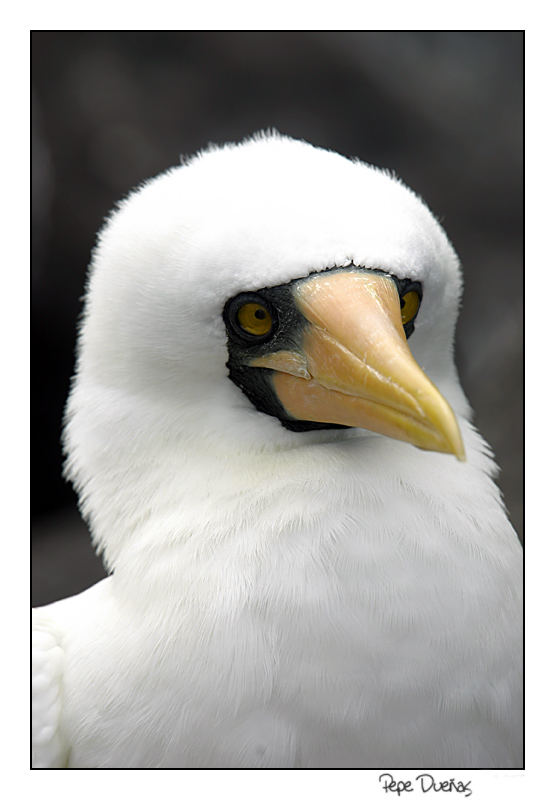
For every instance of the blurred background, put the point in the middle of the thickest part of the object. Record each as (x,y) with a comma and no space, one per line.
(109,109)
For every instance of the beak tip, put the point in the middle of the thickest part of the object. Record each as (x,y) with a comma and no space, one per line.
(457,448)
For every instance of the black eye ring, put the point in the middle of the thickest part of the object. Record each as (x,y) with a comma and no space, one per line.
(233,308)
(404,286)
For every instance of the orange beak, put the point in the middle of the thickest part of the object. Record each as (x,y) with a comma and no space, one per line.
(355,367)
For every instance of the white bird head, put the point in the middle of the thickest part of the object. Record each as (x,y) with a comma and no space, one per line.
(225,267)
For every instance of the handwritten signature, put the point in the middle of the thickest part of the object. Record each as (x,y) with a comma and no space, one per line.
(425,783)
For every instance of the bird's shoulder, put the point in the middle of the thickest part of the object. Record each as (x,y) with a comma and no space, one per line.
(48,748)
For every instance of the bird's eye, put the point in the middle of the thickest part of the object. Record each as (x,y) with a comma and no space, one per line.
(250,317)
(255,319)
(410,303)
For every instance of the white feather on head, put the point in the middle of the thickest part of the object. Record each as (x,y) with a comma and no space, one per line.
(151,405)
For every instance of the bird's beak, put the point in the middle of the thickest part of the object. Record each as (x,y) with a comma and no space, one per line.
(354,366)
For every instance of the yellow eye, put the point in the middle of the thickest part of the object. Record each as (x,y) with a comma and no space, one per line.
(409,306)
(254,319)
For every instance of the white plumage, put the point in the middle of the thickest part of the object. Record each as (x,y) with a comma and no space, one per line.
(324,598)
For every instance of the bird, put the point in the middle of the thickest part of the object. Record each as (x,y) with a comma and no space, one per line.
(309,562)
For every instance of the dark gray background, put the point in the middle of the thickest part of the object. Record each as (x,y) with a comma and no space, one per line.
(442,109)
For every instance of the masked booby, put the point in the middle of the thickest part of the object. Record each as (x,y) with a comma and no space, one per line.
(310,564)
